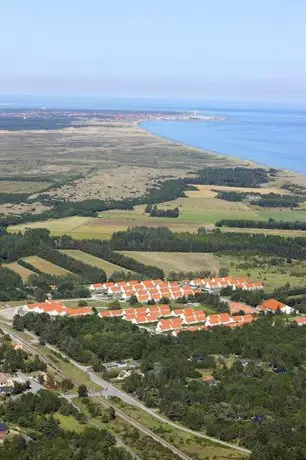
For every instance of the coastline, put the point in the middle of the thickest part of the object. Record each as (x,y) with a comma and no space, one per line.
(228,157)
(213,153)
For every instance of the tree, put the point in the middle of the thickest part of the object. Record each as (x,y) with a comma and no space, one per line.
(82,303)
(40,295)
(66,384)
(111,413)
(41,378)
(224,271)
(82,391)
(133,300)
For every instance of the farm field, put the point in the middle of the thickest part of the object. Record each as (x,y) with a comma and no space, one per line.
(176,261)
(10,186)
(199,208)
(45,266)
(108,267)
(22,271)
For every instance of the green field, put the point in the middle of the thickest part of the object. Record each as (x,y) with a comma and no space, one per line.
(45,266)
(108,267)
(22,271)
(69,423)
(198,209)
(176,261)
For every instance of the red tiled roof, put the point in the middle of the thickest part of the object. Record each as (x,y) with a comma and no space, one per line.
(271,304)
(301,320)
(79,311)
(110,313)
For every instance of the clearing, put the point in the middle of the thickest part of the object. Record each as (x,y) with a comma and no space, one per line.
(45,266)
(108,267)
(176,261)
(22,271)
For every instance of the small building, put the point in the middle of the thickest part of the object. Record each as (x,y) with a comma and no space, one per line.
(210,380)
(4,430)
(301,321)
(273,306)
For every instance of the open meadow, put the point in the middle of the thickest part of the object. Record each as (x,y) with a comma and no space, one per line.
(108,267)
(22,271)
(176,261)
(45,266)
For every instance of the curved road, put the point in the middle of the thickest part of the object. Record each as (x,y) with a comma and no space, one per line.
(110,390)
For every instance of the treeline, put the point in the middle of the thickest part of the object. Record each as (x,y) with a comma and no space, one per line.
(270,224)
(165,191)
(232,177)
(103,250)
(274,200)
(249,404)
(11,285)
(16,245)
(88,272)
(178,276)
(162,239)
(233,196)
(29,266)
(153,211)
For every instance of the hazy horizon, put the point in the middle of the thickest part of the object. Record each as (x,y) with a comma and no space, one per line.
(201,50)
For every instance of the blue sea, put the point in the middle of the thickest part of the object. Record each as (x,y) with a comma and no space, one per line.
(272,134)
(274,137)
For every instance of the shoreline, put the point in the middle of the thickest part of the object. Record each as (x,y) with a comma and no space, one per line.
(247,162)
(210,152)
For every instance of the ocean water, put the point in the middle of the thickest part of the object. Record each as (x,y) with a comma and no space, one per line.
(270,136)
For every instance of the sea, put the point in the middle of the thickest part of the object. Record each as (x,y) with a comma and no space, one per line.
(269,136)
(272,134)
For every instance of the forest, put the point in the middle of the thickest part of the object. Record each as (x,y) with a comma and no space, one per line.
(271,200)
(47,440)
(88,273)
(232,177)
(269,224)
(153,211)
(258,398)
(162,239)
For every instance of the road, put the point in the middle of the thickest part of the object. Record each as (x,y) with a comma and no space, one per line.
(111,390)
(14,335)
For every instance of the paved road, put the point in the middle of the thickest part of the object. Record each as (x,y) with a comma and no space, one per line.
(14,335)
(110,390)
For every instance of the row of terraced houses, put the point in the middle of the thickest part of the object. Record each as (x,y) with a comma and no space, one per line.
(163,319)
(149,290)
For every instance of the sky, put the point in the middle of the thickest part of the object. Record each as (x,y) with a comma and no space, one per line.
(202,49)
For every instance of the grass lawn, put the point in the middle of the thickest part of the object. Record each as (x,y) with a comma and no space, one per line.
(69,423)
(176,261)
(108,267)
(22,271)
(45,266)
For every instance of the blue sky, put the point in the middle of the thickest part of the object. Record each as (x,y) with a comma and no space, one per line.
(233,49)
